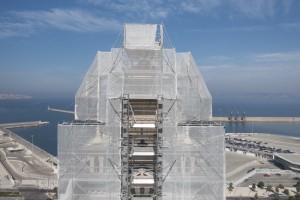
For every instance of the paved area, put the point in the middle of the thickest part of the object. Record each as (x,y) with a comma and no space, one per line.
(240,165)
(234,160)
(248,192)
(271,140)
(19,163)
(288,180)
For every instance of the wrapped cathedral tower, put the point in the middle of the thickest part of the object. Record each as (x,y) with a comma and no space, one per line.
(142,127)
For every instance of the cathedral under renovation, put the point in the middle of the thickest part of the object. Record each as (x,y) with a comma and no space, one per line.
(142,127)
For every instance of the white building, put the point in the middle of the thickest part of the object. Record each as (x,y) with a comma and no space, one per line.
(142,127)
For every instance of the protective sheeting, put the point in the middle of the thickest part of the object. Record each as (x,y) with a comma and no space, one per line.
(141,36)
(87,161)
(89,149)
(144,74)
(198,170)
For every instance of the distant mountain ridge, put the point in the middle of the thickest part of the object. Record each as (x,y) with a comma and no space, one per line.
(14,96)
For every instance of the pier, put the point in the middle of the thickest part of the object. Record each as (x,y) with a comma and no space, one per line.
(23,124)
(258,119)
(60,110)
(25,165)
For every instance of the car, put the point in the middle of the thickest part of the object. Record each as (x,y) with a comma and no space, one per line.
(267,175)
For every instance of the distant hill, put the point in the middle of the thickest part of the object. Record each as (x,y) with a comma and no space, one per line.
(14,96)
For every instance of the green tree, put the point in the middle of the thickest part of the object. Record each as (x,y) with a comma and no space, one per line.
(253,186)
(281,186)
(298,188)
(297,196)
(261,185)
(256,196)
(269,188)
(277,189)
(286,191)
(291,198)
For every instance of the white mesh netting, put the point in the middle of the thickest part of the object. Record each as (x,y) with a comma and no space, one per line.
(89,154)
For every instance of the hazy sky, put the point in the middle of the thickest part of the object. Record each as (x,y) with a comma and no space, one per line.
(244,48)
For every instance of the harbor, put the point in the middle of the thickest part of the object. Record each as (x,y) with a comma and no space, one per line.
(253,158)
(24,165)
(23,124)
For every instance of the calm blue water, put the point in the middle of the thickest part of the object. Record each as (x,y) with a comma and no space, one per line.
(46,136)
(33,110)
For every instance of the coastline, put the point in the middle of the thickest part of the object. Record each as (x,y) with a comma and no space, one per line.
(25,165)
(13,96)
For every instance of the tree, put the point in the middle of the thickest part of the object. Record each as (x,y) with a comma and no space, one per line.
(261,185)
(281,186)
(286,191)
(256,196)
(253,186)
(291,198)
(297,196)
(230,188)
(298,188)
(269,188)
(277,189)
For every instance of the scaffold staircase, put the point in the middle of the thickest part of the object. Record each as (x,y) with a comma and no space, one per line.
(141,149)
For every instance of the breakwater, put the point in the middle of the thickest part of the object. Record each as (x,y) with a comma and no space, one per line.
(23,124)
(259,119)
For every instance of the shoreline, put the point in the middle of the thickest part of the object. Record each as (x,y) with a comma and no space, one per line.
(25,164)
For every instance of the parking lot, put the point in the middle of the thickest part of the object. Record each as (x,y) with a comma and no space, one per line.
(264,143)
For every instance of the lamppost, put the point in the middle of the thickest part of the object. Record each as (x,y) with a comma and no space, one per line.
(24,165)
(32,144)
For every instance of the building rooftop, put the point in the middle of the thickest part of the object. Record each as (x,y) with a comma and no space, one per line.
(292,158)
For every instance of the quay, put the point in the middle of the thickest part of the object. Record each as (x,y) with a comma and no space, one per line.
(60,110)
(24,167)
(23,124)
(259,157)
(259,119)
(227,119)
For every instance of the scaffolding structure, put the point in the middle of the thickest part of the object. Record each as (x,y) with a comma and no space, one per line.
(142,127)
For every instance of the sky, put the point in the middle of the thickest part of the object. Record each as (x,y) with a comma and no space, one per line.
(247,49)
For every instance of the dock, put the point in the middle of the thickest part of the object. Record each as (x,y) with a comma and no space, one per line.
(60,110)
(23,124)
(227,119)
(24,164)
(259,119)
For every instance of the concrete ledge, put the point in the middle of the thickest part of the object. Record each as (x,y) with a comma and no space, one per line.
(259,119)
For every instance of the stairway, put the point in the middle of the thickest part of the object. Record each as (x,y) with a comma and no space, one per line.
(141,150)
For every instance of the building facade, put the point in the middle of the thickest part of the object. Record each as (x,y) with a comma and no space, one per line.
(142,127)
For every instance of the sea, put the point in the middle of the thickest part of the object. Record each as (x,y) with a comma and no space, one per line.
(45,137)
